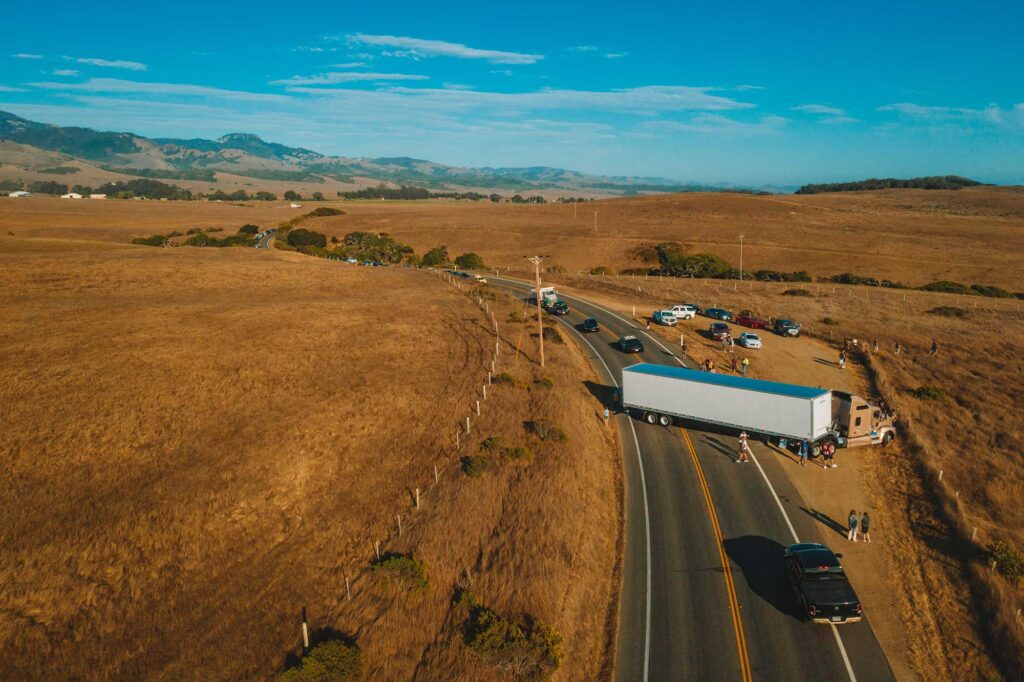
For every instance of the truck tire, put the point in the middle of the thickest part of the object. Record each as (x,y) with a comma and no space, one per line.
(650,418)
(664,420)
(825,447)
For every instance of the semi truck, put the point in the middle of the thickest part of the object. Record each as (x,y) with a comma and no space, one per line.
(660,394)
(548,296)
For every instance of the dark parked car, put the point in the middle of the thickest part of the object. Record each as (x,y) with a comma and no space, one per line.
(719,330)
(787,328)
(718,313)
(590,325)
(749,319)
(558,308)
(820,584)
(695,307)
(631,344)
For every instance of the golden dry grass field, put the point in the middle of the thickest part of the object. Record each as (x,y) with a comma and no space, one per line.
(199,443)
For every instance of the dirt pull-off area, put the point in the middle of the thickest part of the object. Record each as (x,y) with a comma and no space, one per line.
(199,443)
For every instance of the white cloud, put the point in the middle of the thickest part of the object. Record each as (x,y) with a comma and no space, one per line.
(65,72)
(456,86)
(110,63)
(615,55)
(646,100)
(743,88)
(821,109)
(418,47)
(584,48)
(334,77)
(135,87)
(7,88)
(716,124)
(347,65)
(839,120)
(990,115)
(25,55)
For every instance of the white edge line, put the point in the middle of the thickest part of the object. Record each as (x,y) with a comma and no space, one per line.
(643,486)
(785,516)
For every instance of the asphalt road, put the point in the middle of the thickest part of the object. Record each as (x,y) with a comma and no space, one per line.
(266,241)
(703,593)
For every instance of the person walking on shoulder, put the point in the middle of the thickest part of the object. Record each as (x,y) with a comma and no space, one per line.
(842,359)
(744,448)
(852,533)
(865,525)
(934,350)
(803,450)
(898,348)
(744,365)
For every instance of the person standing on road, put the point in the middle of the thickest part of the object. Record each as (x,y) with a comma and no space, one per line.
(804,451)
(874,345)
(842,359)
(934,350)
(828,453)
(682,343)
(744,365)
(865,525)
(647,326)
(744,448)
(897,348)
(852,533)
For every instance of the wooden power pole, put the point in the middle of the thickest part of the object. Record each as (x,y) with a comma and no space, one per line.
(536,260)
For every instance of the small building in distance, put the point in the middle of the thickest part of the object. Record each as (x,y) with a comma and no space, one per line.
(71,195)
(20,193)
(97,196)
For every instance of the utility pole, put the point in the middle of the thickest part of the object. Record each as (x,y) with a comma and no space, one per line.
(741,257)
(536,260)
(595,222)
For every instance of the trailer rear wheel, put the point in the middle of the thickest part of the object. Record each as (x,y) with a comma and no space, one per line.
(650,418)
(664,420)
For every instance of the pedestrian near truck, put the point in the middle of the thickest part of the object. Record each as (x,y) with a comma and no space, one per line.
(745,364)
(842,359)
(865,525)
(852,521)
(744,449)
(803,451)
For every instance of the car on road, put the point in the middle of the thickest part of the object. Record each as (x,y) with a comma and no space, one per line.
(558,308)
(748,319)
(749,340)
(719,331)
(820,584)
(787,328)
(353,261)
(631,344)
(684,311)
(718,313)
(664,317)
(479,279)
(590,325)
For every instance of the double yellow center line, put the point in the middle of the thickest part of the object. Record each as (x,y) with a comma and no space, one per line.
(730,587)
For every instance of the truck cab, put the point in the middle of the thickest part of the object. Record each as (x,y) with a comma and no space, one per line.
(547,296)
(858,422)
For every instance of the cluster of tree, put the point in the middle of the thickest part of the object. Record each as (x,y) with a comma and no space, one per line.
(302,237)
(571,200)
(517,199)
(146,189)
(204,174)
(199,237)
(241,195)
(930,182)
(59,170)
(469,261)
(850,278)
(437,256)
(366,246)
(47,187)
(413,193)
(673,261)
(941,286)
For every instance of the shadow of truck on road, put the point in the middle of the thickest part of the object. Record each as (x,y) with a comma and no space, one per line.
(760,559)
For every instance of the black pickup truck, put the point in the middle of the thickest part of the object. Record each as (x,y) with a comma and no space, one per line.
(820,585)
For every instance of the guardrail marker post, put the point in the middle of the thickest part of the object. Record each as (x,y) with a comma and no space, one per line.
(399,517)
(435,473)
(305,632)
(489,377)
(974,534)
(376,549)
(457,439)
(417,498)
(940,474)
(477,409)
(348,590)
(467,426)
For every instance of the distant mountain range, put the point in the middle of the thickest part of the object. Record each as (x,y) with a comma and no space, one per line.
(248,155)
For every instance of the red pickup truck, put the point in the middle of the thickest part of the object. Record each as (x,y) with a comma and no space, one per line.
(749,319)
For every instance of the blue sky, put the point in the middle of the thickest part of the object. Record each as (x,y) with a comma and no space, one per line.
(755,93)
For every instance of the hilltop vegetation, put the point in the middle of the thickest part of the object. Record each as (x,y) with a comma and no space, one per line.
(930,182)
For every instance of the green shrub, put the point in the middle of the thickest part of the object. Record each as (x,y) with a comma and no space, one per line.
(929,393)
(469,261)
(492,444)
(155,240)
(544,382)
(194,230)
(553,335)
(435,257)
(634,271)
(556,270)
(519,453)
(474,466)
(173,233)
(530,650)
(829,321)
(947,287)
(249,228)
(797,292)
(601,270)
(402,569)
(515,316)
(504,378)
(324,211)
(990,291)
(330,661)
(215,229)
(303,237)
(949,311)
(547,430)
(1008,560)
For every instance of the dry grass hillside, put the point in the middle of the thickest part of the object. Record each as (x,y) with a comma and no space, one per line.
(200,443)
(959,614)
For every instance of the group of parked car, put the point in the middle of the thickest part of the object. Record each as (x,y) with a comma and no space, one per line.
(720,331)
(478,279)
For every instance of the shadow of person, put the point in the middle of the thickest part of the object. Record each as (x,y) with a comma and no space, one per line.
(825,520)
(760,560)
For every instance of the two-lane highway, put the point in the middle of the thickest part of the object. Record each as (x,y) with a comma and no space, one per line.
(703,594)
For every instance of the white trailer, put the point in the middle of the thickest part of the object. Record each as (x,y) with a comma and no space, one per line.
(661,393)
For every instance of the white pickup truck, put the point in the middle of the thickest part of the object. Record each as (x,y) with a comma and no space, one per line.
(683,312)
